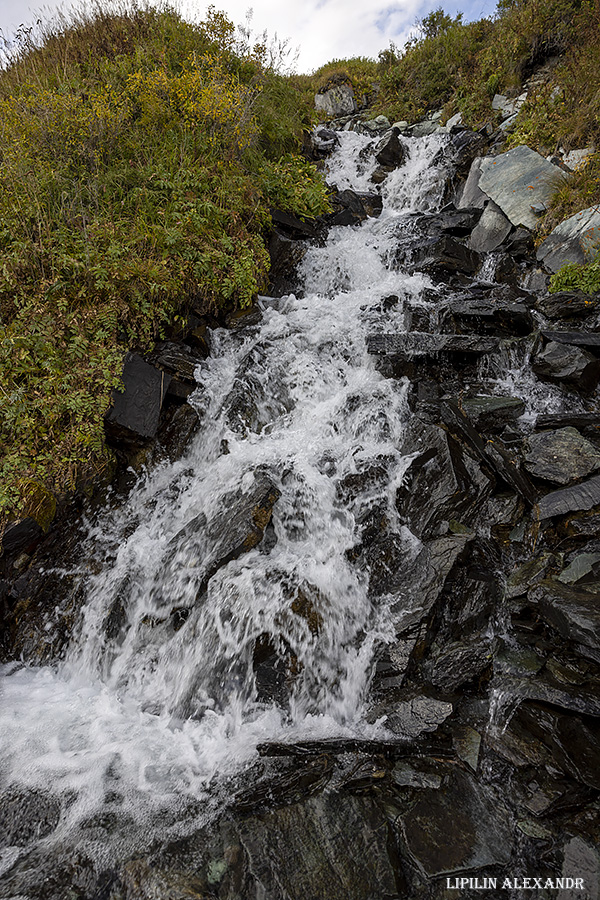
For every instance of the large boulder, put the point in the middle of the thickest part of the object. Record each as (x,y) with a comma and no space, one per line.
(576,240)
(517,181)
(561,456)
(569,365)
(132,421)
(337,101)
(391,152)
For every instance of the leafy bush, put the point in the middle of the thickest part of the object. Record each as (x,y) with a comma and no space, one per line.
(140,155)
(572,277)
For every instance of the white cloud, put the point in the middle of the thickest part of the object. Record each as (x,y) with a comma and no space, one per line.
(322,29)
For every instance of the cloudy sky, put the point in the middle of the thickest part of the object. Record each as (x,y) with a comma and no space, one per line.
(321,29)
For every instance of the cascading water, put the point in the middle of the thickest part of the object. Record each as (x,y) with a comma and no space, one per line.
(157,695)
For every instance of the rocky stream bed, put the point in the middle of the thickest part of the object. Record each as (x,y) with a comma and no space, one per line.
(340,638)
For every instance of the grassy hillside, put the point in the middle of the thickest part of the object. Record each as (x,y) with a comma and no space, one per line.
(140,155)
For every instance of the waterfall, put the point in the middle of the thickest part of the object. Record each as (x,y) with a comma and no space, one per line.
(157,695)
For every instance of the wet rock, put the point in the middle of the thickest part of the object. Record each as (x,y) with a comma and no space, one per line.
(583,861)
(441,483)
(515,181)
(582,339)
(561,456)
(416,344)
(292,225)
(332,845)
(576,498)
(286,254)
(493,413)
(336,101)
(467,743)
(493,453)
(568,420)
(176,432)
(490,314)
(273,664)
(135,412)
(415,775)
(445,256)
(26,815)
(459,828)
(491,230)
(573,612)
(566,742)
(200,549)
(419,715)
(20,536)
(568,365)
(319,143)
(457,663)
(575,240)
(348,209)
(466,150)
(390,749)
(519,244)
(567,304)
(581,565)
(528,574)
(391,152)
(419,583)
(258,396)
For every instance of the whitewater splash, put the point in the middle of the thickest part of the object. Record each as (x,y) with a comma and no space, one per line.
(148,713)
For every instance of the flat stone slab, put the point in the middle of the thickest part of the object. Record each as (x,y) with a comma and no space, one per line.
(576,240)
(574,613)
(420,344)
(561,456)
(517,180)
(574,339)
(579,497)
(492,228)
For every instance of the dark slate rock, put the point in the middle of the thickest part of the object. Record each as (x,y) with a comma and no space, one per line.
(180,362)
(204,547)
(445,255)
(573,612)
(568,365)
(466,146)
(459,828)
(23,535)
(566,742)
(176,432)
(574,240)
(561,456)
(582,339)
(332,845)
(488,314)
(416,344)
(372,203)
(519,244)
(134,416)
(449,220)
(470,194)
(458,662)
(567,304)
(568,420)
(348,209)
(493,413)
(576,498)
(528,574)
(391,152)
(286,254)
(417,715)
(419,583)
(292,225)
(491,230)
(441,483)
(493,453)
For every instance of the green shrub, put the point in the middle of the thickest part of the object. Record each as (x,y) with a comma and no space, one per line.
(140,155)
(572,277)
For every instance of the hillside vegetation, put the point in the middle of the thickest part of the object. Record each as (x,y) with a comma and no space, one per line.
(140,157)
